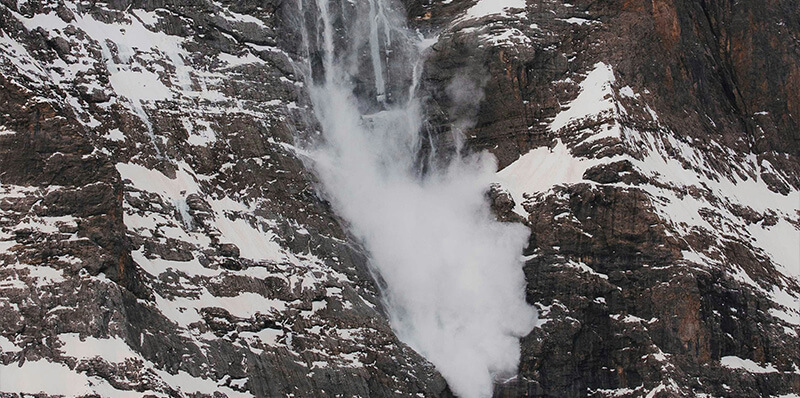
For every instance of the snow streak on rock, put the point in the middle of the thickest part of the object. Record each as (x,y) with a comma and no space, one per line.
(453,279)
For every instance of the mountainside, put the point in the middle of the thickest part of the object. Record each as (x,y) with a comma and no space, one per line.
(652,149)
(162,231)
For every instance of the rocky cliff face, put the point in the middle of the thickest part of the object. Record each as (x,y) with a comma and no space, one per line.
(160,233)
(652,149)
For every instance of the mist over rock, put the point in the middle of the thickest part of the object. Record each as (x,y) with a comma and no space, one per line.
(164,231)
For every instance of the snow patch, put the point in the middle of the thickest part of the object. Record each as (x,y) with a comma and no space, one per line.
(112,349)
(51,378)
(596,98)
(254,243)
(139,85)
(494,7)
(748,365)
(542,168)
(579,21)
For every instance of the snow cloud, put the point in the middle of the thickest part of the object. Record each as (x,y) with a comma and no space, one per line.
(454,286)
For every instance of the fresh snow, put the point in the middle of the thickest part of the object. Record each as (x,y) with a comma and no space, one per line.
(115,135)
(21,59)
(234,61)
(5,245)
(113,349)
(266,336)
(579,21)
(200,133)
(542,168)
(55,379)
(494,7)
(186,310)
(44,275)
(782,243)
(7,345)
(789,305)
(139,85)
(188,384)
(734,362)
(156,266)
(149,18)
(253,242)
(595,98)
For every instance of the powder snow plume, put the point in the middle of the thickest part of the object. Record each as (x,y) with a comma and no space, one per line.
(454,286)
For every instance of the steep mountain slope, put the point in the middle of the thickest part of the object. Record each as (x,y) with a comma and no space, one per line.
(652,148)
(160,233)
